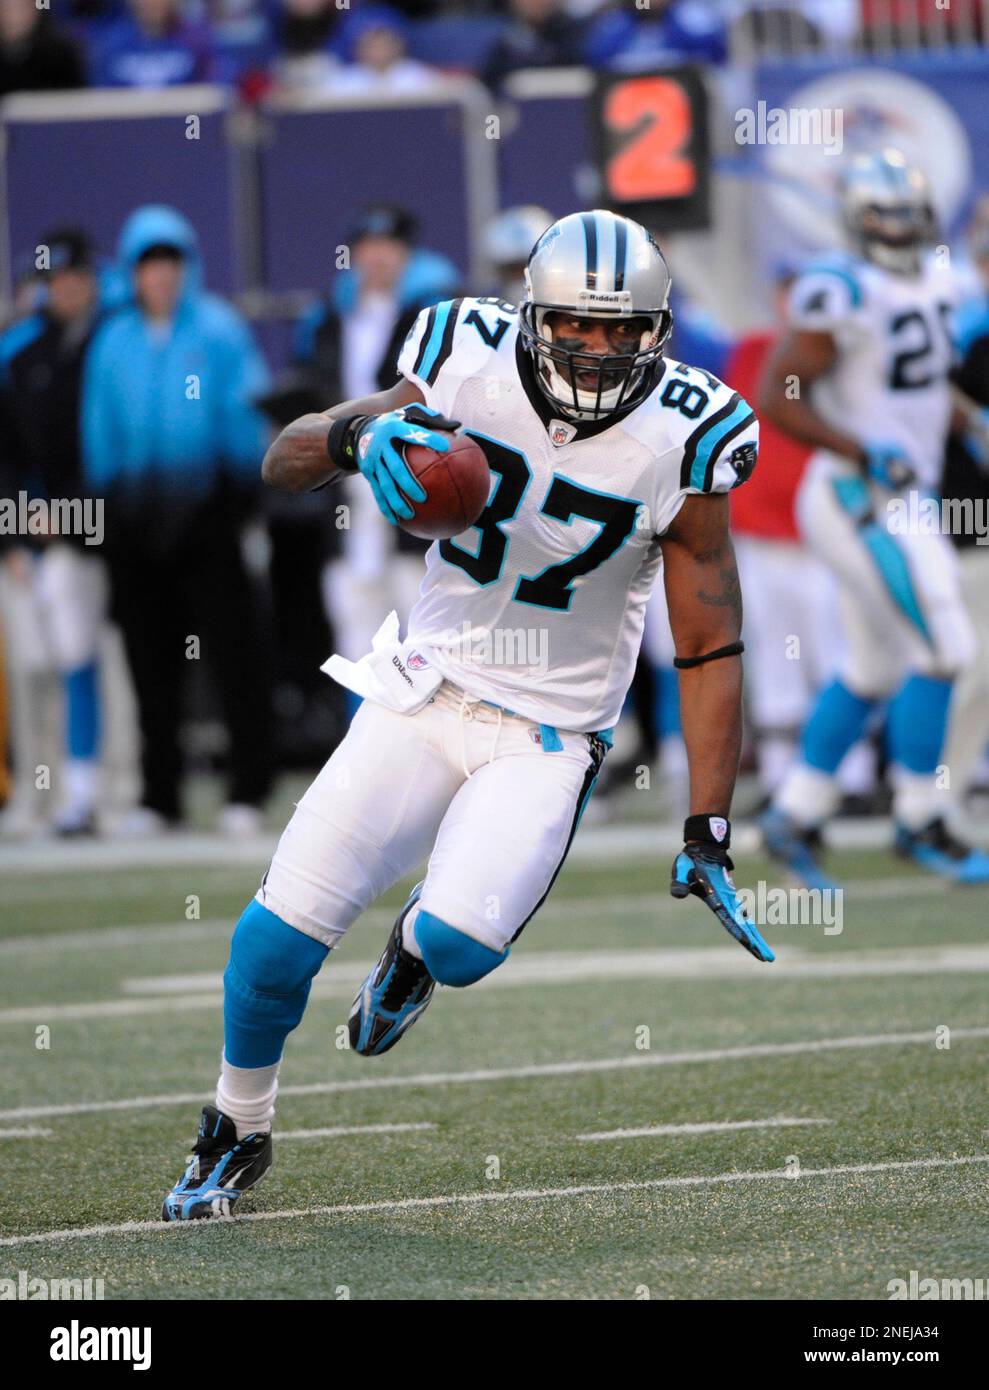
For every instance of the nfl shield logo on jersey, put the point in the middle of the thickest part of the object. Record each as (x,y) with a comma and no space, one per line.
(560,432)
(416,661)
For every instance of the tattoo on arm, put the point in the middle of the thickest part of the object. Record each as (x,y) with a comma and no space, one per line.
(728,593)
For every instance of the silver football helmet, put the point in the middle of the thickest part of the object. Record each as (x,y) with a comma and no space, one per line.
(887,210)
(595,265)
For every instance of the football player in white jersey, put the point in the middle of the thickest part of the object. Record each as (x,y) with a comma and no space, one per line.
(482,732)
(869,344)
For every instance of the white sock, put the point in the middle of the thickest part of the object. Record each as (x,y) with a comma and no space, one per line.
(408,935)
(80,778)
(247,1096)
(916,798)
(807,796)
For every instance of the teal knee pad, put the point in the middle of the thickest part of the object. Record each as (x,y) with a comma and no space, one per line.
(451,956)
(266,986)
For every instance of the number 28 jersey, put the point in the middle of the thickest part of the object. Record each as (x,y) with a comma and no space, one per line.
(540,606)
(893,333)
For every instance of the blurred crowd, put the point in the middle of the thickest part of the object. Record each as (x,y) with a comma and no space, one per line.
(192,633)
(186,631)
(360,46)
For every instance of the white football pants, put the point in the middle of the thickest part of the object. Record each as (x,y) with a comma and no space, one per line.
(487,796)
(900,599)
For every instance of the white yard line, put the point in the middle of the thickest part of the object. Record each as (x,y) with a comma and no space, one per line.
(559,908)
(678,962)
(470,1199)
(115,938)
(166,994)
(338,1131)
(26,1132)
(632,1062)
(703,1127)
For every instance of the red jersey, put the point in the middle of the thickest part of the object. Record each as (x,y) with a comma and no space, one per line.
(764,506)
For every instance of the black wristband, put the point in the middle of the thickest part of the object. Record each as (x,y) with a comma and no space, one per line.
(683,663)
(341,442)
(707,830)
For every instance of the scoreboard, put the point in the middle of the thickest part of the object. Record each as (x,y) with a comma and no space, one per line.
(652,148)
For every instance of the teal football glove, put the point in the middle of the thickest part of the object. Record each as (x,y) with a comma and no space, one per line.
(887,465)
(380,442)
(703,869)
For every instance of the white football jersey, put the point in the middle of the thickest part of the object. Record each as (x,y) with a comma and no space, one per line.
(540,606)
(890,382)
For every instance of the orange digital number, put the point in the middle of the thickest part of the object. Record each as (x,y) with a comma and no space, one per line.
(652,164)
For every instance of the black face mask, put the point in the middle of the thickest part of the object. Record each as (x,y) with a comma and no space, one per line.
(632,374)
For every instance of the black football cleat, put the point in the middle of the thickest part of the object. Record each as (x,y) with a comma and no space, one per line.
(393,996)
(221,1169)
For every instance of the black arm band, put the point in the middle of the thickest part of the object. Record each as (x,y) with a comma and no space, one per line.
(707,830)
(341,442)
(683,663)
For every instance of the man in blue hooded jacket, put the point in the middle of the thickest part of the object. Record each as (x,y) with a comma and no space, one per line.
(173,440)
(348,346)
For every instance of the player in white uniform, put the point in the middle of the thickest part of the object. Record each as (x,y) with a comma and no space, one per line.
(869,345)
(481,734)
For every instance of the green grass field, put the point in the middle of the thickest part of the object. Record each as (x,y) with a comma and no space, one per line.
(620,1009)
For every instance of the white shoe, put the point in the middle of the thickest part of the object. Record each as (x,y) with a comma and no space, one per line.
(141,823)
(75,822)
(237,821)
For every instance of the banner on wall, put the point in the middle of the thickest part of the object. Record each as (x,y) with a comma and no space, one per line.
(933,109)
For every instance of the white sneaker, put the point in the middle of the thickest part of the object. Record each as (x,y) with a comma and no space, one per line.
(141,823)
(237,821)
(75,822)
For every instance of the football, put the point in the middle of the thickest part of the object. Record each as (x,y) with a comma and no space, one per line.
(456,483)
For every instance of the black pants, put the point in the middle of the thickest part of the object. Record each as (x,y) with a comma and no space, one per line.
(196,587)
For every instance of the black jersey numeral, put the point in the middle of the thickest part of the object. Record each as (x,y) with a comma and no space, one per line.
(514,475)
(492,336)
(911,368)
(553,586)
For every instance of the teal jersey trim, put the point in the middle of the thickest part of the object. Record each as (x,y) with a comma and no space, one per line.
(440,340)
(843,274)
(708,441)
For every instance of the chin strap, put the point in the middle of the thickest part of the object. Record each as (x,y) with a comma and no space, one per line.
(683,663)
